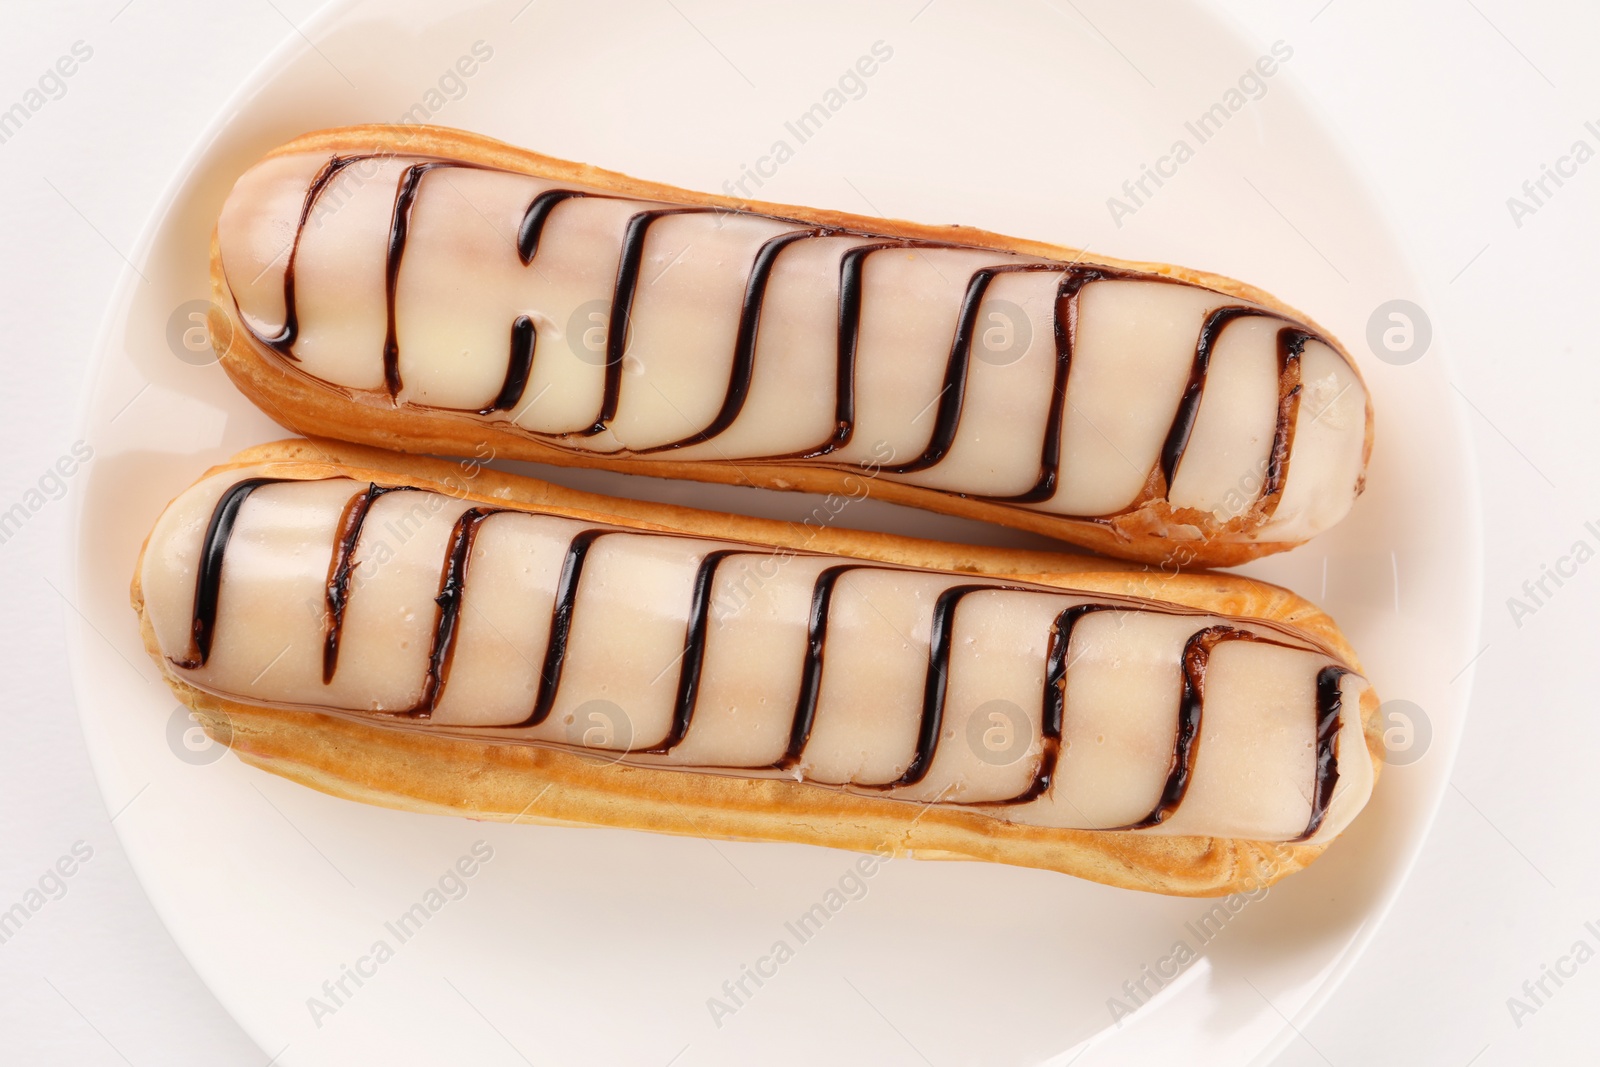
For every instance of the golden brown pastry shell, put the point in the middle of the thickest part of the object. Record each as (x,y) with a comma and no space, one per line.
(312,407)
(415,770)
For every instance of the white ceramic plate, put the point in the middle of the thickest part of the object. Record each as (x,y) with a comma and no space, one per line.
(604,946)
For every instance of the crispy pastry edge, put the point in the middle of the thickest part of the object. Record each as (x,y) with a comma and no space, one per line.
(509,782)
(307,406)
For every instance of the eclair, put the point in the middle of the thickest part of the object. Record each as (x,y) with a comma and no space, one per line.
(434,291)
(443,637)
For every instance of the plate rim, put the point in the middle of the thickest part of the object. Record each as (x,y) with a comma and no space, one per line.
(122,297)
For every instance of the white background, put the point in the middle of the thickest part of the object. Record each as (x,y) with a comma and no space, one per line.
(1449,106)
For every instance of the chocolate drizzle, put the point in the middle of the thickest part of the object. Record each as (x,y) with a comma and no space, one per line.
(283,341)
(1330,701)
(623,292)
(851,267)
(805,708)
(399,230)
(1291,346)
(208,584)
(1194,660)
(951,398)
(523,340)
(1052,713)
(852,264)
(555,652)
(947,416)
(694,649)
(337,594)
(938,681)
(1066,331)
(533,220)
(1177,441)
(744,346)
(935,686)
(452,586)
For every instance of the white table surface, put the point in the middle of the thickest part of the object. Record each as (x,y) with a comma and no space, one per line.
(1450,105)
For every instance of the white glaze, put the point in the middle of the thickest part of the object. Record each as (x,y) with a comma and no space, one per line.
(1252,775)
(461,284)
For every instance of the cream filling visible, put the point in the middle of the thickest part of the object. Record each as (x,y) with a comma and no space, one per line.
(627,650)
(461,286)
